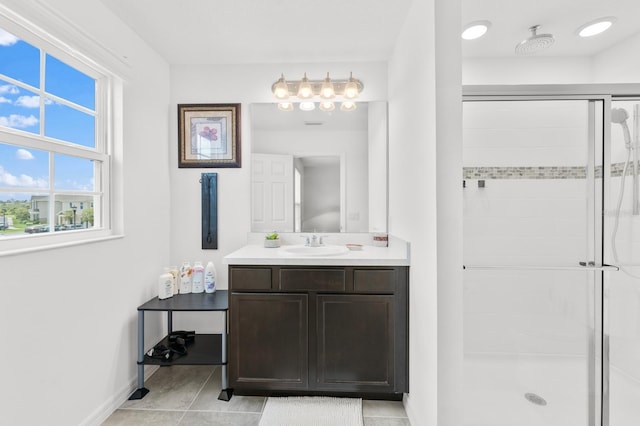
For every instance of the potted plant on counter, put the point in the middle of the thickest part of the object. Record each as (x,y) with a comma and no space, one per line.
(272,240)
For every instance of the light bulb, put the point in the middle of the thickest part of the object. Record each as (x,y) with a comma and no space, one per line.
(475,30)
(305,91)
(596,27)
(327,106)
(351,88)
(307,106)
(327,91)
(285,106)
(348,106)
(280,89)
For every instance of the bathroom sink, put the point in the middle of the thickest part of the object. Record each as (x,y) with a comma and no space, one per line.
(324,250)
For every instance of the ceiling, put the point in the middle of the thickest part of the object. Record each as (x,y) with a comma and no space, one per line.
(274,31)
(511,20)
(265,31)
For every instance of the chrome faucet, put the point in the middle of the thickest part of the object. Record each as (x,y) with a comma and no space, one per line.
(313,240)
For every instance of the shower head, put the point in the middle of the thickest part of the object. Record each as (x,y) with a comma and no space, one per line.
(535,43)
(619,116)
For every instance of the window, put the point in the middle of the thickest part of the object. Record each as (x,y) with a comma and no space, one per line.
(54,148)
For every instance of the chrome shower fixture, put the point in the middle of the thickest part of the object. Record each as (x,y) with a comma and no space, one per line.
(620,116)
(535,43)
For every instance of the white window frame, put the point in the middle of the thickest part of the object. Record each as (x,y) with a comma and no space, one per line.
(108,136)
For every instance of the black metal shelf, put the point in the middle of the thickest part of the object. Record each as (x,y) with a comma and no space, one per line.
(205,349)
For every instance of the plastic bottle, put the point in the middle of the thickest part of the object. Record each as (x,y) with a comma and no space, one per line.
(185,278)
(165,285)
(175,272)
(210,278)
(197,278)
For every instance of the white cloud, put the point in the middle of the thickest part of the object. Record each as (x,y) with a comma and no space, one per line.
(16,121)
(9,88)
(7,179)
(7,39)
(4,100)
(23,154)
(28,101)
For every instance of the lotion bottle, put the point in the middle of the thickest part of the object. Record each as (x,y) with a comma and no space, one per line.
(175,272)
(165,285)
(185,278)
(197,278)
(210,278)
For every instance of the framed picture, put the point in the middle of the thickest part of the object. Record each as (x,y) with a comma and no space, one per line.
(208,135)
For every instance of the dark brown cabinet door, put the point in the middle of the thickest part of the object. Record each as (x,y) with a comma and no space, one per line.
(355,343)
(268,341)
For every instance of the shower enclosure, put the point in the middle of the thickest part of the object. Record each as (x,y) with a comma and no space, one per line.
(552,305)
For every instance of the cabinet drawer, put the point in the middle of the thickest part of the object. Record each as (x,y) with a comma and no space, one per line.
(250,278)
(313,279)
(374,280)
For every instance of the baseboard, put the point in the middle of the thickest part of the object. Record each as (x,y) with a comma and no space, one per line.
(408,408)
(109,406)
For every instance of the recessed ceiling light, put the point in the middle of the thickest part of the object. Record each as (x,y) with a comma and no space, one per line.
(476,29)
(596,27)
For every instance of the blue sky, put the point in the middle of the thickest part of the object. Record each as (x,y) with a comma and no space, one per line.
(22,167)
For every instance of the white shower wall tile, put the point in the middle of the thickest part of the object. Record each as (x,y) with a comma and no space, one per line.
(526,312)
(525,115)
(530,221)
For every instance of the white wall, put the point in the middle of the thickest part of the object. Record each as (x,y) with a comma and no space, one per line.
(618,64)
(526,70)
(424,152)
(69,314)
(321,197)
(243,84)
(377,132)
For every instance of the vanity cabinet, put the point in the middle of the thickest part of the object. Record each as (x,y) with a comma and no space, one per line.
(318,330)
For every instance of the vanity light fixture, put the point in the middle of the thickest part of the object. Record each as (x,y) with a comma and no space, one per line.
(327,105)
(285,106)
(305,91)
(327,90)
(475,29)
(307,106)
(347,106)
(596,27)
(280,89)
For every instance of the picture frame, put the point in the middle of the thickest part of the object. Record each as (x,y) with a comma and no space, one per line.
(209,135)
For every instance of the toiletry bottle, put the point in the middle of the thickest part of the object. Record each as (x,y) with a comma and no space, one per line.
(197,278)
(173,270)
(185,278)
(165,285)
(210,278)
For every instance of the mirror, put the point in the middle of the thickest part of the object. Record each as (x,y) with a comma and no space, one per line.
(317,171)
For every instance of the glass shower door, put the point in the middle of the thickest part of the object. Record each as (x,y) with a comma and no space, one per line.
(622,242)
(533,260)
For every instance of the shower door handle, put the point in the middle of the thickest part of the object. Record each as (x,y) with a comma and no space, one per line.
(591,266)
(583,266)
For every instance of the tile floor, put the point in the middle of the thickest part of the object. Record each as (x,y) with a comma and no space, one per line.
(188,395)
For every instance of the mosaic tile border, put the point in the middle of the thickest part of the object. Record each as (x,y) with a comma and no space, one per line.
(550,172)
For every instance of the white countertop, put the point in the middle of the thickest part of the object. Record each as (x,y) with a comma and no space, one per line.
(396,254)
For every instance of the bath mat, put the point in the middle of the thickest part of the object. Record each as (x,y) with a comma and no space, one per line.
(312,411)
